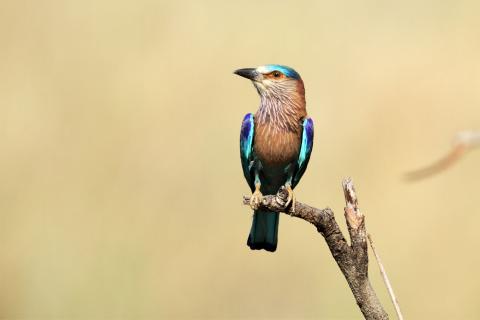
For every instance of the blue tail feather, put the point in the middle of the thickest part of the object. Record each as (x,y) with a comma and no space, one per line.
(264,231)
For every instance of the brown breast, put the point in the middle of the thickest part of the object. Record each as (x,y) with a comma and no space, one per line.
(275,146)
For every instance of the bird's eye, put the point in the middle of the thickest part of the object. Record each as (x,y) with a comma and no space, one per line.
(276,74)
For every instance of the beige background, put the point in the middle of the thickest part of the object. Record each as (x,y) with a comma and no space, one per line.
(120,180)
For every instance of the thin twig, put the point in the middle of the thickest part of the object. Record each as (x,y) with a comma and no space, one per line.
(464,141)
(386,280)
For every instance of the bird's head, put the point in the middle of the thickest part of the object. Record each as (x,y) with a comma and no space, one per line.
(274,80)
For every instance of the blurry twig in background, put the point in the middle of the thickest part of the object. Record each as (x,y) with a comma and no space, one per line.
(352,259)
(463,142)
(386,280)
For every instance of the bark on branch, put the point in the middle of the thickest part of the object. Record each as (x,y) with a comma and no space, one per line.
(352,259)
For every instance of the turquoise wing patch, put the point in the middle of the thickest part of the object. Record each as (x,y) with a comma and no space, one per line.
(305,151)
(246,148)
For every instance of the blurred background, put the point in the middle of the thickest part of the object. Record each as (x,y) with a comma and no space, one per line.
(121,187)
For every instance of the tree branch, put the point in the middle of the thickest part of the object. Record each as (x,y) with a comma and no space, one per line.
(351,259)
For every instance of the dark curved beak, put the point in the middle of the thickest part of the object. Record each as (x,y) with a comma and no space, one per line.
(249,73)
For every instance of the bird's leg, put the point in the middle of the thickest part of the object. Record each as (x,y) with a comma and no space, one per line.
(257,197)
(288,186)
(291,196)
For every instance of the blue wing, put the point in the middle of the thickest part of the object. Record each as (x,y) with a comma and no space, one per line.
(305,151)
(246,149)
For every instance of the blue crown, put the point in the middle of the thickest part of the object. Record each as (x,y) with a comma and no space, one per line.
(289,72)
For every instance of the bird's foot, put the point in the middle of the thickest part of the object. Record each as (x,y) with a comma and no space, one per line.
(256,198)
(291,197)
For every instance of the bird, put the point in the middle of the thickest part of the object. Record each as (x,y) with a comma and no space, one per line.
(275,145)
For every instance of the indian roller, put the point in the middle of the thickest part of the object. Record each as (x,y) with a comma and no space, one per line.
(275,145)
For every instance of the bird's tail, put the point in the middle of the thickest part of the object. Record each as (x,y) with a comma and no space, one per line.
(264,231)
